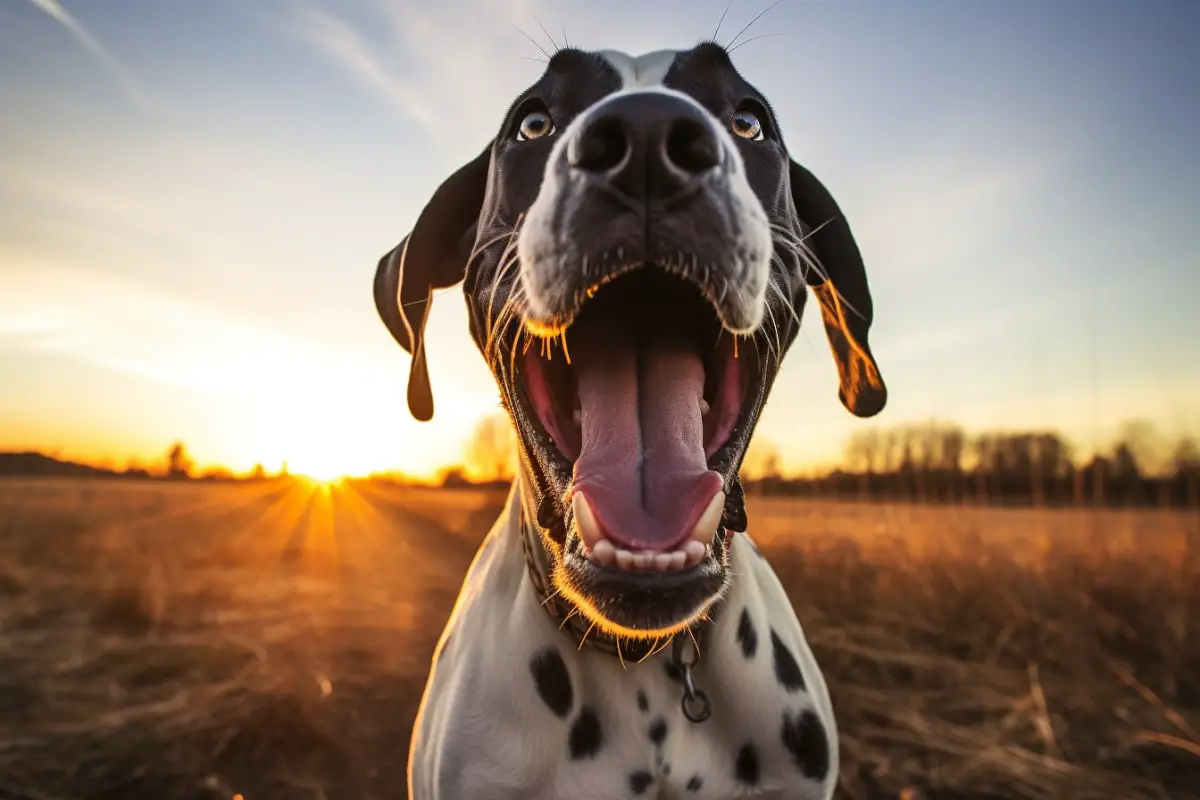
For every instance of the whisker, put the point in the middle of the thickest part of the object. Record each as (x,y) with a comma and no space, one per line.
(570,614)
(755,39)
(566,352)
(721,21)
(695,643)
(586,634)
(509,257)
(778,339)
(654,648)
(800,247)
(787,301)
(548,36)
(501,270)
(749,24)
(494,327)
(479,248)
(436,293)
(533,42)
(801,250)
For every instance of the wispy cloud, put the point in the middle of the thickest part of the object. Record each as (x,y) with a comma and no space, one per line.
(102,318)
(129,83)
(351,50)
(447,66)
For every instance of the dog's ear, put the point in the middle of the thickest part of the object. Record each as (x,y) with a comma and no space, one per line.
(841,289)
(432,256)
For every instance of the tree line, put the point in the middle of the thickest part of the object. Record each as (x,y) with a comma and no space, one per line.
(940,462)
(176,464)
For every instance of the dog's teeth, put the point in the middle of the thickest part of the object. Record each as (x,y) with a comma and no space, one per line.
(585,521)
(689,555)
(624,558)
(577,416)
(603,552)
(703,406)
(706,526)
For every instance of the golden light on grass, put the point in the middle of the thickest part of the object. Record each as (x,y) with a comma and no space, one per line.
(275,636)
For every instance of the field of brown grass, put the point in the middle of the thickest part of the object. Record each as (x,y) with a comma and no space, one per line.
(168,641)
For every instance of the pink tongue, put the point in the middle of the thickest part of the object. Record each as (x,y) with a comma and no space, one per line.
(641,464)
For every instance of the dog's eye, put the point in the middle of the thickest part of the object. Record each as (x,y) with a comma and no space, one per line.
(535,125)
(746,125)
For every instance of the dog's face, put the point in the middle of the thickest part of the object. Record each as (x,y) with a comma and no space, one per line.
(635,246)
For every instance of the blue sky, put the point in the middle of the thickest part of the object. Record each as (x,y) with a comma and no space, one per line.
(193,197)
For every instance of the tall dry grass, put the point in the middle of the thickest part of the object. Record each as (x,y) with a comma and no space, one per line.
(187,641)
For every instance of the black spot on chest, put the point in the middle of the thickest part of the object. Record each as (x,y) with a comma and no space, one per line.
(640,781)
(804,737)
(787,671)
(643,703)
(586,737)
(694,783)
(746,635)
(658,731)
(552,681)
(746,769)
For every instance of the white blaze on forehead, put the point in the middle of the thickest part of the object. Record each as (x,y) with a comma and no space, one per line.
(640,72)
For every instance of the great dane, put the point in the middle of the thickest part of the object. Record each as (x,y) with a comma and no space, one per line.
(636,246)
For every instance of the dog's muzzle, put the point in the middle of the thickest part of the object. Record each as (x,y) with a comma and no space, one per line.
(644,178)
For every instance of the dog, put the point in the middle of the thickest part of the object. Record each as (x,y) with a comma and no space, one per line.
(635,246)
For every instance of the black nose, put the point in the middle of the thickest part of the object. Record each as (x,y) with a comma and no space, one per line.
(647,145)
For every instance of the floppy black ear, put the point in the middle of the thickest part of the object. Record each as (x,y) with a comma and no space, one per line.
(842,292)
(433,256)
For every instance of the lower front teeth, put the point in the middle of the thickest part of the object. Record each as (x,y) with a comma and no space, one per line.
(604,552)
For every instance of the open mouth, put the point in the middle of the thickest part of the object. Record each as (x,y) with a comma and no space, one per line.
(639,406)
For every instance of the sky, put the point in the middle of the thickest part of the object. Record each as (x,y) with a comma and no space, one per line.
(194,196)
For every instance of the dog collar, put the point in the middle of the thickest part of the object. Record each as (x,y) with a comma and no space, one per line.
(685,646)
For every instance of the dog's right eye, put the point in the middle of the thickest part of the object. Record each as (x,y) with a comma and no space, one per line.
(535,125)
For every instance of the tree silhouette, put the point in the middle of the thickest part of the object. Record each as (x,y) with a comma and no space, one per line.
(179,462)
(761,460)
(1145,445)
(492,450)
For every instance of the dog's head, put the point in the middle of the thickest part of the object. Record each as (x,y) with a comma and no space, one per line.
(635,246)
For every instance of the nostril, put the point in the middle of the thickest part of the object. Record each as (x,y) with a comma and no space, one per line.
(692,147)
(602,146)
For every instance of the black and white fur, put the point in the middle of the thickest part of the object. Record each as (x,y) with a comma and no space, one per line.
(514,707)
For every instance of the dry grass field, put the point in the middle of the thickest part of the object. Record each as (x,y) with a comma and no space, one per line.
(200,641)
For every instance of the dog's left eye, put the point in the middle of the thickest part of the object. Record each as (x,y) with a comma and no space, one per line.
(747,125)
(535,125)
